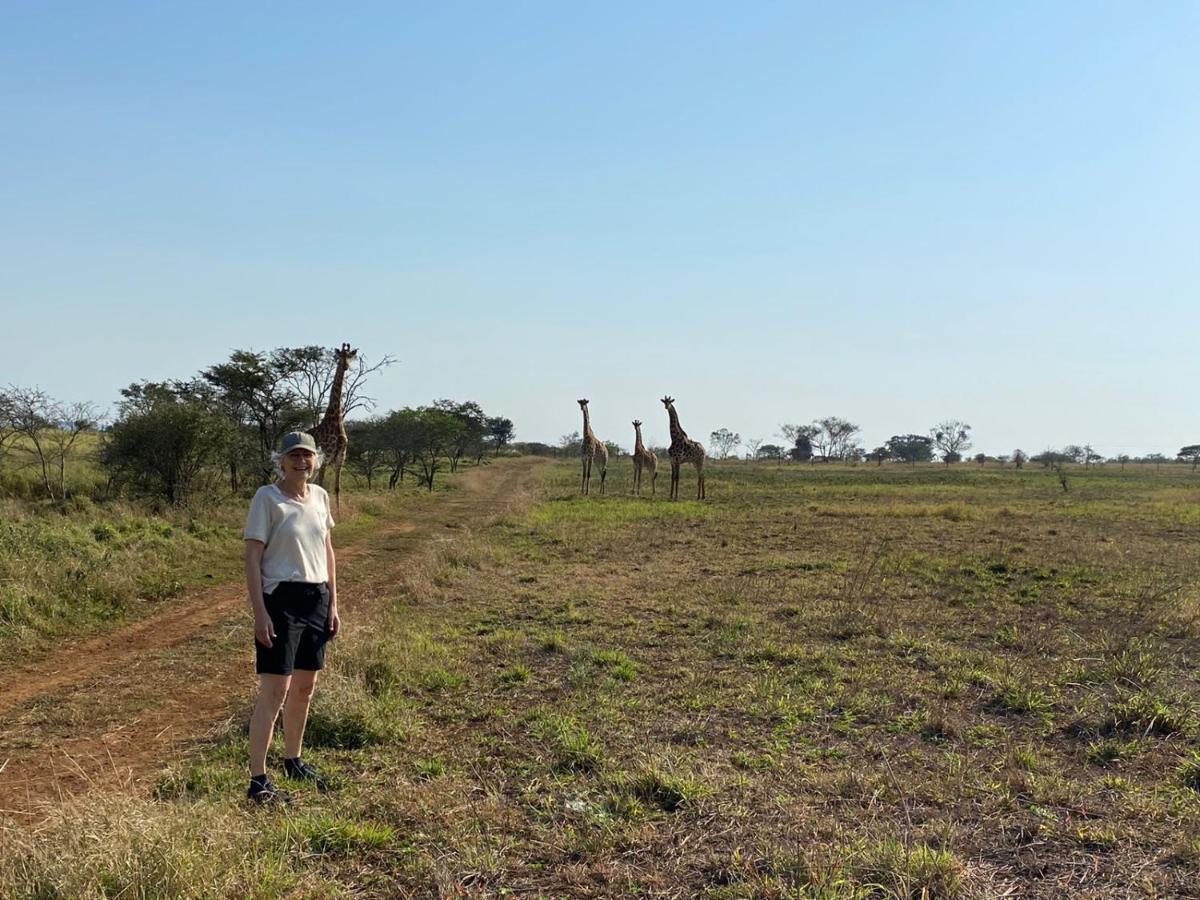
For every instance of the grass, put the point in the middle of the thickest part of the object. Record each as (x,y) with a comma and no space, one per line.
(822,682)
(79,566)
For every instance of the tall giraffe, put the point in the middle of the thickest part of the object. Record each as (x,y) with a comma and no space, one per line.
(683,449)
(642,459)
(330,432)
(593,449)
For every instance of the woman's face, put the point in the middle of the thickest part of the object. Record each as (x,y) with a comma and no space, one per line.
(299,461)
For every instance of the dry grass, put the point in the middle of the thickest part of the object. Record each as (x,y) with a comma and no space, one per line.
(820,683)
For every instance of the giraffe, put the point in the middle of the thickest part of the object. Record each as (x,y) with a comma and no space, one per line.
(683,449)
(330,432)
(593,449)
(642,459)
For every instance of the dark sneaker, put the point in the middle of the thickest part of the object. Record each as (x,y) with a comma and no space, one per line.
(263,792)
(299,770)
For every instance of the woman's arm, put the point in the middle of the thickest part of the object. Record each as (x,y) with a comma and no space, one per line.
(264,630)
(335,621)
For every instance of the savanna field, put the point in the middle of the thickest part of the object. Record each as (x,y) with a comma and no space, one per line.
(821,682)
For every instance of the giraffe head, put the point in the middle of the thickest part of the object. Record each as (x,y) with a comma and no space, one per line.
(583,404)
(667,401)
(345,354)
(637,423)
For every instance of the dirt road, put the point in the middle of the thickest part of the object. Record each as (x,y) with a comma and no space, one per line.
(114,709)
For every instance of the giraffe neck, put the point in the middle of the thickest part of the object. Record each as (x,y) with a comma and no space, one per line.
(677,433)
(587,425)
(333,412)
(638,446)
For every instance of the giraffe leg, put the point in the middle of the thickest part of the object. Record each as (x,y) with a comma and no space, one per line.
(653,478)
(583,484)
(674,480)
(603,475)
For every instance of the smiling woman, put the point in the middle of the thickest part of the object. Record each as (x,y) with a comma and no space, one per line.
(292,586)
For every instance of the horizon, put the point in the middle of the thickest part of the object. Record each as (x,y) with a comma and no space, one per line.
(894,216)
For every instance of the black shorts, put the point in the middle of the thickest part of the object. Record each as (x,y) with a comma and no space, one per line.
(300,612)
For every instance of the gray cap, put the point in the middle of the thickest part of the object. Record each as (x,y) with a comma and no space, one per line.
(297,440)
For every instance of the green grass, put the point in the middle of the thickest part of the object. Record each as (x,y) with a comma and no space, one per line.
(822,682)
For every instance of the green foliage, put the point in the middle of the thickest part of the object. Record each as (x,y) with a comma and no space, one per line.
(162,445)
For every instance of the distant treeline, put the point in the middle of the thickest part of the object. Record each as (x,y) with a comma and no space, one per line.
(833,439)
(215,431)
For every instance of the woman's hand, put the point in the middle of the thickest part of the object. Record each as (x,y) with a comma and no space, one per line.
(335,622)
(264,629)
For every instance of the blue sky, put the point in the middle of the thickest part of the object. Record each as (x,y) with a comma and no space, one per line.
(894,213)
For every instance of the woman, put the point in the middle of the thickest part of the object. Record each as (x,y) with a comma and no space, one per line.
(292,581)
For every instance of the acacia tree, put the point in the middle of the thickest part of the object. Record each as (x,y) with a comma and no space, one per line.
(1019,458)
(501,431)
(910,448)
(367,448)
(437,435)
(1190,453)
(256,392)
(309,372)
(50,430)
(469,437)
(800,440)
(952,438)
(724,442)
(835,438)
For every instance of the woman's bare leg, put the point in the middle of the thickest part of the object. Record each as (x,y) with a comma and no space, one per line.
(271,693)
(295,711)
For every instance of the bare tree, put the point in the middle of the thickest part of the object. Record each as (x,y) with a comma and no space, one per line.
(952,438)
(1019,458)
(752,445)
(835,438)
(724,442)
(50,430)
(309,372)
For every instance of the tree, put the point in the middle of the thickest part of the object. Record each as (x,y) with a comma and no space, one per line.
(770,451)
(1048,458)
(255,392)
(1090,456)
(835,438)
(468,438)
(400,435)
(50,430)
(723,442)
(1190,453)
(162,446)
(981,458)
(752,446)
(910,448)
(309,372)
(437,434)
(878,455)
(799,438)
(501,431)
(570,444)
(952,438)
(367,451)
(1019,457)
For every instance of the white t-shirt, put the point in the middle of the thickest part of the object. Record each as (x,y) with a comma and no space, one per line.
(293,534)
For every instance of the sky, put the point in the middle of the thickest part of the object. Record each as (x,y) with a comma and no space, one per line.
(895,213)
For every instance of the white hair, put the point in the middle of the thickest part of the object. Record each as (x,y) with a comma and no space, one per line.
(277,461)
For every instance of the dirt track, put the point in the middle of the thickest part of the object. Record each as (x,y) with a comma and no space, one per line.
(112,709)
